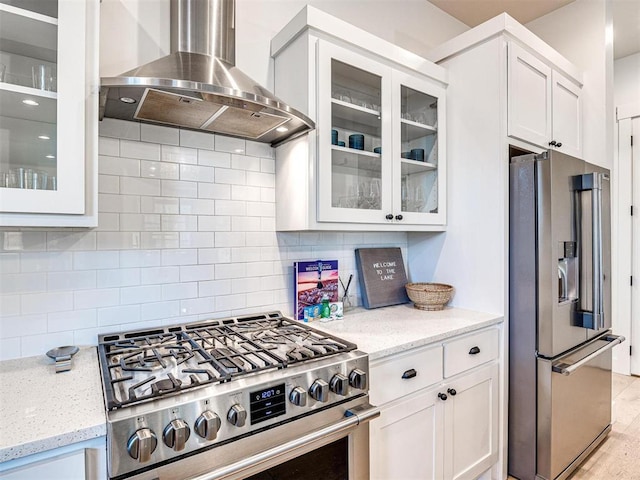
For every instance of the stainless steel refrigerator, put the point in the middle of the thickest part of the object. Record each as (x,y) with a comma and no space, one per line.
(560,336)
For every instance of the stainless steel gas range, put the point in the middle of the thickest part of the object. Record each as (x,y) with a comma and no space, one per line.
(258,396)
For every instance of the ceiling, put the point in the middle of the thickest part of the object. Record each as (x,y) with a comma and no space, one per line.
(626,16)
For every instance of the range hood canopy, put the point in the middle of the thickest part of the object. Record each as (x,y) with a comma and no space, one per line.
(198,86)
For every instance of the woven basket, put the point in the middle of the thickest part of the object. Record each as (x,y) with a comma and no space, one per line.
(429,296)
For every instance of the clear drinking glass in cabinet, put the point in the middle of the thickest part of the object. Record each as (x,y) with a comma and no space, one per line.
(28,98)
(419,151)
(356,132)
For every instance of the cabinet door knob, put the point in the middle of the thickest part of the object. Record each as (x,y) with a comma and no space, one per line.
(558,144)
(409,373)
(474,351)
(552,143)
(452,392)
(442,396)
(389,216)
(398,217)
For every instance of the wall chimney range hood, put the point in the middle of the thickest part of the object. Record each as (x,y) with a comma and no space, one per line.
(198,86)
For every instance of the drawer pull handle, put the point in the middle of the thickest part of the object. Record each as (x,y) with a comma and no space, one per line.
(474,351)
(452,392)
(409,374)
(442,396)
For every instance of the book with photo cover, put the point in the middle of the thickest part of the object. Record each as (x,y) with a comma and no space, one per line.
(382,276)
(312,280)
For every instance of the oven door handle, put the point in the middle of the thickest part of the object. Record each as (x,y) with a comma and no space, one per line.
(353,417)
(565,369)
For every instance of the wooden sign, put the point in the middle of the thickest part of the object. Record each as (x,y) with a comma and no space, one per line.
(382,276)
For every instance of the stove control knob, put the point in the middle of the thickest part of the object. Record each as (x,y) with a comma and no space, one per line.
(358,379)
(176,434)
(142,444)
(319,390)
(338,384)
(237,415)
(298,396)
(207,425)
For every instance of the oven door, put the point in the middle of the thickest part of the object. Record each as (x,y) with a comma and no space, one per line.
(328,445)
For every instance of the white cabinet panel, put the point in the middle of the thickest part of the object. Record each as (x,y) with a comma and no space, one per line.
(567,115)
(70,466)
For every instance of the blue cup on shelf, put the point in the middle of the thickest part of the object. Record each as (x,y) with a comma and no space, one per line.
(405,154)
(341,143)
(377,150)
(356,141)
(417,154)
(334,137)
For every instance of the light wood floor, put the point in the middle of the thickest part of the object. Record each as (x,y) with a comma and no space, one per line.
(618,457)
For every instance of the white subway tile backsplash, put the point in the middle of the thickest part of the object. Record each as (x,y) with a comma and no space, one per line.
(267,194)
(230,144)
(109,146)
(76,280)
(195,206)
(140,150)
(214,159)
(260,179)
(46,302)
(189,138)
(160,205)
(196,239)
(179,291)
(108,184)
(139,258)
(179,223)
(196,173)
(214,223)
(179,154)
(9,263)
(267,224)
(231,302)
(230,239)
(160,240)
(259,149)
(15,326)
(32,345)
(180,256)
(118,315)
(196,306)
(108,222)
(194,273)
(245,254)
(245,162)
(160,275)
(72,320)
(214,287)
(118,203)
(118,166)
(260,269)
(246,285)
(267,165)
(110,127)
(139,222)
(259,209)
(243,192)
(214,255)
(10,348)
(159,134)
(231,207)
(177,188)
(262,239)
(142,294)
(120,277)
(118,240)
(149,169)
(260,299)
(23,241)
(214,191)
(71,241)
(9,305)
(232,177)
(100,297)
(139,186)
(46,261)
(154,311)
(230,270)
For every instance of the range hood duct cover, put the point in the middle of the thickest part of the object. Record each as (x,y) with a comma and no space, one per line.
(198,85)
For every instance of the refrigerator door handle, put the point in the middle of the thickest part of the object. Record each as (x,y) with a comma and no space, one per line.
(564,369)
(594,319)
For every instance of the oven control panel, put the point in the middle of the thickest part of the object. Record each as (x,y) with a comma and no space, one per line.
(171,427)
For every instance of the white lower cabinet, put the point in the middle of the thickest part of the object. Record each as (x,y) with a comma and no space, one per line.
(447,429)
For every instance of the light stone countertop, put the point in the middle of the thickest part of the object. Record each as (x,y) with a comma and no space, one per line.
(41,410)
(384,331)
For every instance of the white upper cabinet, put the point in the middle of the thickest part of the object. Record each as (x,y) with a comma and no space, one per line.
(544,106)
(376,160)
(48,112)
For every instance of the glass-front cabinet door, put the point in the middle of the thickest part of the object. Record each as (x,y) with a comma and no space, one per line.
(419,186)
(42,106)
(354,137)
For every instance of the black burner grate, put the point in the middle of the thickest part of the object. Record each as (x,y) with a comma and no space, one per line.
(140,366)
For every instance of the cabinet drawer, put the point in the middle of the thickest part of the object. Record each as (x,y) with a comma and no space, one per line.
(467,352)
(387,382)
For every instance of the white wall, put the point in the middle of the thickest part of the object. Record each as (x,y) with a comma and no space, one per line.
(626,80)
(578,31)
